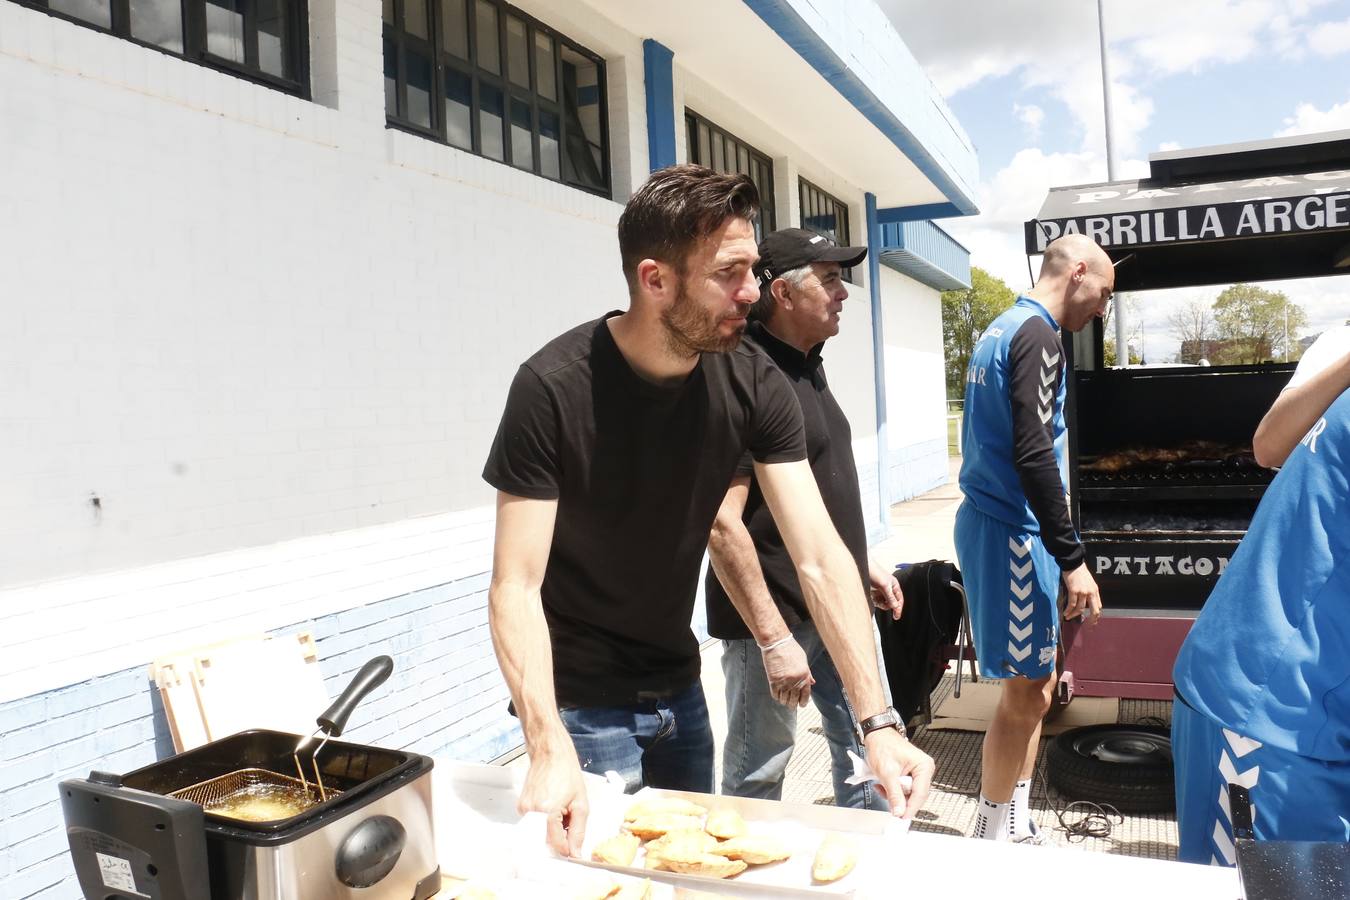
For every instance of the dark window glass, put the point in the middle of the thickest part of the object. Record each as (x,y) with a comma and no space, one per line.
(545,71)
(825,215)
(490,121)
(455,28)
(158,22)
(489,44)
(225,29)
(493,81)
(390,78)
(262,40)
(522,136)
(415,18)
(712,146)
(419,89)
(272,37)
(96,12)
(550,159)
(517,52)
(459,109)
(389,12)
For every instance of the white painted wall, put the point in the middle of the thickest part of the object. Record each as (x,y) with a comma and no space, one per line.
(915,391)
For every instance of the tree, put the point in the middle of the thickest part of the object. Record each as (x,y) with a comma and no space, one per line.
(1192,322)
(965,316)
(1254,323)
(1109,352)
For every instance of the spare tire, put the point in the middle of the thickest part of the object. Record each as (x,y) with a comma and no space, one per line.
(1127,766)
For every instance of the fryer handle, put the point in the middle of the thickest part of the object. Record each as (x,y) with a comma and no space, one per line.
(372,675)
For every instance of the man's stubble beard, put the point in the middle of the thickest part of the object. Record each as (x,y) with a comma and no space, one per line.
(690,331)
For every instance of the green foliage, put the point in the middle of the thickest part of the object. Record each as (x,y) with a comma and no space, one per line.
(965,316)
(1251,325)
(1109,353)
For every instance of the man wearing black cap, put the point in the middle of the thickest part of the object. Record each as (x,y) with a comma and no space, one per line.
(772,650)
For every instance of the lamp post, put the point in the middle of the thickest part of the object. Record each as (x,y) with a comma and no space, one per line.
(1122,357)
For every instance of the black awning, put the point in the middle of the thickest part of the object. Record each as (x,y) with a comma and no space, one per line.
(1255,228)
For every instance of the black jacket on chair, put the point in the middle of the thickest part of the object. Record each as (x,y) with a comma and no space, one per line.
(931,619)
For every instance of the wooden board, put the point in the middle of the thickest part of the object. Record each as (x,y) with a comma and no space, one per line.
(273,684)
(975,710)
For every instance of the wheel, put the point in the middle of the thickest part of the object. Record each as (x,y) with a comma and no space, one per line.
(1127,766)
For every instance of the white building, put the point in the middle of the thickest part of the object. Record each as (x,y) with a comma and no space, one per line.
(262,311)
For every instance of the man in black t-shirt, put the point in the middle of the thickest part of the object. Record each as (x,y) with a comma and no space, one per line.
(771,649)
(616,447)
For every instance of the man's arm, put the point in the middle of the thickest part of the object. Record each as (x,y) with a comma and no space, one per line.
(736,564)
(1035,365)
(1296,410)
(834,595)
(553,784)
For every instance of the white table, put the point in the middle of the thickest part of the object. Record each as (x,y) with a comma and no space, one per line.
(477,828)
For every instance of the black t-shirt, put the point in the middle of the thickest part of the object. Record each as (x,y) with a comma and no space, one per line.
(639,472)
(829,447)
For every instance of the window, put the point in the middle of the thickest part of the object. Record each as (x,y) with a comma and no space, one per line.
(716,148)
(262,40)
(825,215)
(483,76)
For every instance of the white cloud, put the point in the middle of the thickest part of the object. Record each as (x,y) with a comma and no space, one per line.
(1330,38)
(1308,119)
(1031,116)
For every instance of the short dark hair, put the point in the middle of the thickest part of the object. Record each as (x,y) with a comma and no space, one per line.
(677,207)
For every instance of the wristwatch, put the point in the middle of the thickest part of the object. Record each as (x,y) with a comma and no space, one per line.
(887,718)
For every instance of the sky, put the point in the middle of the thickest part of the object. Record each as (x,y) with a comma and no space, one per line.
(1024,80)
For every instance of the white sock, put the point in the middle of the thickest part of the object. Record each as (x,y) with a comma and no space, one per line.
(991,821)
(1019,812)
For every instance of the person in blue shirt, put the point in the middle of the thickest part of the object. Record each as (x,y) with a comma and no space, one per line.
(1014,539)
(1263,678)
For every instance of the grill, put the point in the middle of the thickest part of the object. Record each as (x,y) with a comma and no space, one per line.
(1162,476)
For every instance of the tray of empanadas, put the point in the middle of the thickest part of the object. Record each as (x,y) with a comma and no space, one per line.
(736,847)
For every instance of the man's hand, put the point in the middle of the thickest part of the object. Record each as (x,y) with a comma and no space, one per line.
(553,786)
(788,671)
(892,756)
(1084,599)
(885,590)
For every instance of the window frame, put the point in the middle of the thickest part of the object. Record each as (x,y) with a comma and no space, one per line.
(841,213)
(194,40)
(768,217)
(443,61)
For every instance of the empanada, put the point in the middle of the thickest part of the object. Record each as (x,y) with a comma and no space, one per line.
(633,890)
(618,850)
(654,826)
(836,858)
(756,849)
(725,823)
(656,806)
(709,865)
(696,840)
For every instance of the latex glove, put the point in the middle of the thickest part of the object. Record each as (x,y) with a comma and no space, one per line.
(891,758)
(788,672)
(554,786)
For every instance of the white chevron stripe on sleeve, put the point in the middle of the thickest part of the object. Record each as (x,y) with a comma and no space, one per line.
(1047,378)
(1224,844)
(1044,414)
(1049,360)
(1241,745)
(1231,775)
(1045,395)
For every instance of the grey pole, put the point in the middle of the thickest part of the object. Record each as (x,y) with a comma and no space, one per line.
(1122,350)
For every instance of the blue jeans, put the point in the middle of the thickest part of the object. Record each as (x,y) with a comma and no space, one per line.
(665,743)
(761,732)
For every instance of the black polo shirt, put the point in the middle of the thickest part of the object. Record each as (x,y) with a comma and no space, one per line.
(829,448)
(639,471)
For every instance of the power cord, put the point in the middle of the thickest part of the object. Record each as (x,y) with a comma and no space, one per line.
(1094,820)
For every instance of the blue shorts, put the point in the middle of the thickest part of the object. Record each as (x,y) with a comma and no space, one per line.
(1294,798)
(1012,588)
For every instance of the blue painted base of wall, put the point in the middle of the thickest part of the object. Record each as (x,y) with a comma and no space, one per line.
(446,697)
(917,469)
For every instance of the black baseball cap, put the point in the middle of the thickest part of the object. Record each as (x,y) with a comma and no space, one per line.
(792,248)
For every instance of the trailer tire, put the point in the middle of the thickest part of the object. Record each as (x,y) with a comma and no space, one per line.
(1127,766)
